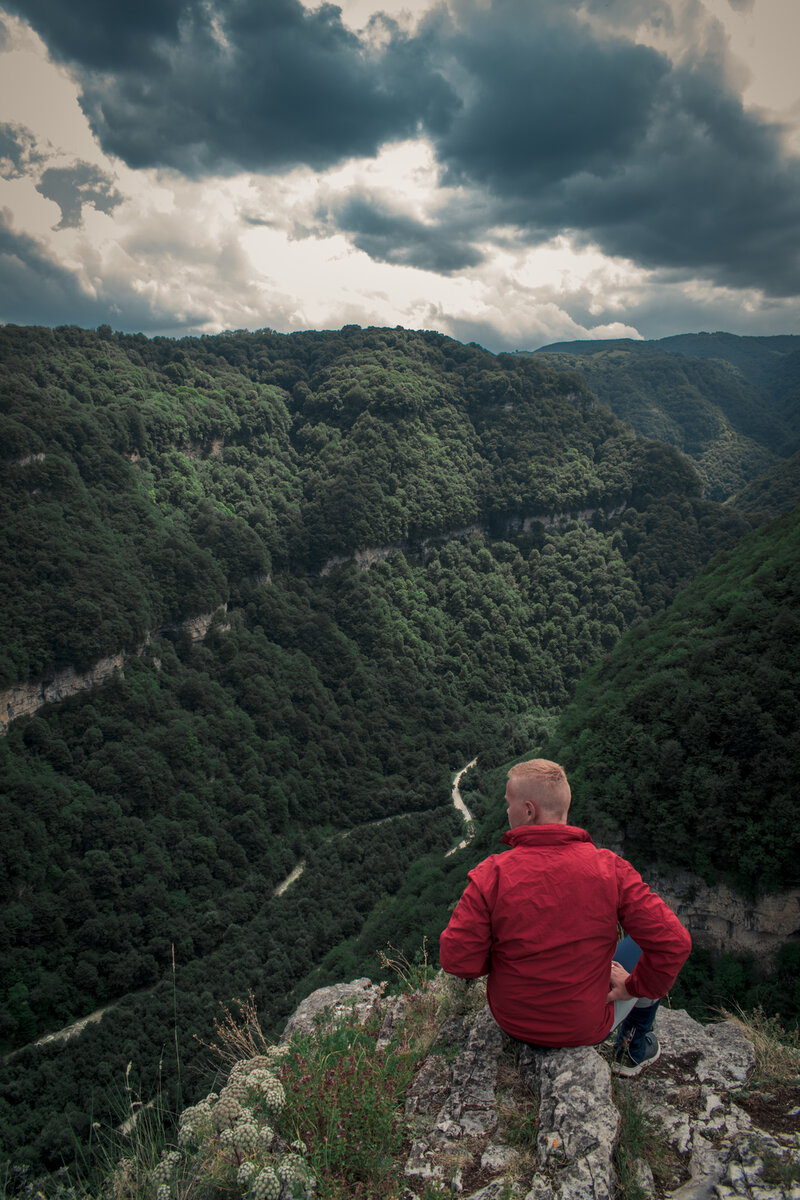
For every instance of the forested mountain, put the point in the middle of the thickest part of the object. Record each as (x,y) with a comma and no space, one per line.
(683,746)
(686,738)
(320,722)
(148,480)
(732,404)
(776,491)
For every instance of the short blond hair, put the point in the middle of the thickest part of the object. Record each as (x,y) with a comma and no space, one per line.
(545,783)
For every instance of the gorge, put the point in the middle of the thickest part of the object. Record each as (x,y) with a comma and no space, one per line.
(543,578)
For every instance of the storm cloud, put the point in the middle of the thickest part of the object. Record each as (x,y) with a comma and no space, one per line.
(611,142)
(238,84)
(613,126)
(388,235)
(35,289)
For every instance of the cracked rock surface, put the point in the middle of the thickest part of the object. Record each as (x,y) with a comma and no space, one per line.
(491,1119)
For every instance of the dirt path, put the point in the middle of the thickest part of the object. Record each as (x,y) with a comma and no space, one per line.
(294,874)
(458,803)
(63,1035)
(462,808)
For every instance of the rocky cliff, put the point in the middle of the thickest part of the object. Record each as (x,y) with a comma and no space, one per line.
(25,699)
(486,1118)
(724,920)
(475,1088)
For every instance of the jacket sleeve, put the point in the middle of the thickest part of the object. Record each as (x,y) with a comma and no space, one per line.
(664,942)
(465,945)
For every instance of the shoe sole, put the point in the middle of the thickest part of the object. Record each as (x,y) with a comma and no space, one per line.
(637,1068)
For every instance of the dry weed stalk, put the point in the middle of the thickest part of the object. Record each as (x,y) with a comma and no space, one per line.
(238,1035)
(777,1049)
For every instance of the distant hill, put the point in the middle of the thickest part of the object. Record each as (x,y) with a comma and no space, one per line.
(732,404)
(777,490)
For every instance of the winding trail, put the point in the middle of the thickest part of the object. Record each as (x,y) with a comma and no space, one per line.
(459,804)
(78,1026)
(294,874)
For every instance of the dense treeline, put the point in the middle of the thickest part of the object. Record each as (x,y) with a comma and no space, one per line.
(685,739)
(775,491)
(149,480)
(732,404)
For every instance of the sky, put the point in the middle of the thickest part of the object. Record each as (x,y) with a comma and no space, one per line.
(510,172)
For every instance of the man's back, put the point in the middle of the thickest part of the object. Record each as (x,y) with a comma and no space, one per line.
(542,920)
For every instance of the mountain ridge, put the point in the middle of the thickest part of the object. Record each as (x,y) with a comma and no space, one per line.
(146,824)
(732,404)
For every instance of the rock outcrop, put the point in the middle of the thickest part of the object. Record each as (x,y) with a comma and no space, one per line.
(722,919)
(371,555)
(492,1119)
(25,699)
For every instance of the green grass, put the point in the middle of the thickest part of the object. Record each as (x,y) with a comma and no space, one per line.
(344,1101)
(777,1048)
(641,1139)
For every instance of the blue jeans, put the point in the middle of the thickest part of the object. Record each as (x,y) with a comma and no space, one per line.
(635,1016)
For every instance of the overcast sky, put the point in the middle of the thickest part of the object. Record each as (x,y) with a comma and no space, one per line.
(512,172)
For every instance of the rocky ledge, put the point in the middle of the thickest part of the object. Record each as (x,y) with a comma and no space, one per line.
(490,1119)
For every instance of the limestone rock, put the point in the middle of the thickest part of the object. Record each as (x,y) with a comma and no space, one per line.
(451,1134)
(360,996)
(459,1110)
(722,919)
(578,1122)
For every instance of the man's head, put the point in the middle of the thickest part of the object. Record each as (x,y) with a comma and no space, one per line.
(537,794)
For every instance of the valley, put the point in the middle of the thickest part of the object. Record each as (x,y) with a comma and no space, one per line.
(542,579)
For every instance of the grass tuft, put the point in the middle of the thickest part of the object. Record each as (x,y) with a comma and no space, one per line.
(641,1140)
(777,1049)
(414,975)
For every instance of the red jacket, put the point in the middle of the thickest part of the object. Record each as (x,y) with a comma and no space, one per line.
(541,920)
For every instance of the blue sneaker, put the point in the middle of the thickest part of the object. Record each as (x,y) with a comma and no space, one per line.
(623,1064)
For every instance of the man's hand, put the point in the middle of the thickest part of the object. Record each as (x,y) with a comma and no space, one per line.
(617,989)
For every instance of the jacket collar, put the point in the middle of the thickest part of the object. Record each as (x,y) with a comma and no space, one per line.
(544,835)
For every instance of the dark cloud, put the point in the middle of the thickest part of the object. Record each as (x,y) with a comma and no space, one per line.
(393,237)
(563,124)
(18,153)
(610,142)
(72,187)
(238,83)
(103,36)
(544,102)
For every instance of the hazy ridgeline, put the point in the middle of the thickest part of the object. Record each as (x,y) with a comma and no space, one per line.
(151,481)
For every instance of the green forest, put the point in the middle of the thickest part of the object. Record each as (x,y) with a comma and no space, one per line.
(535,563)
(731,404)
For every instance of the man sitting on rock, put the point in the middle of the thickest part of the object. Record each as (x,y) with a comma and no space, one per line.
(541,920)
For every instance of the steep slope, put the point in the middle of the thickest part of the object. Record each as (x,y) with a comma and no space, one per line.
(730,404)
(776,491)
(685,740)
(682,749)
(148,823)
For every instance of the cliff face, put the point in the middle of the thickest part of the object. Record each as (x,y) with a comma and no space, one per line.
(25,699)
(492,1119)
(723,920)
